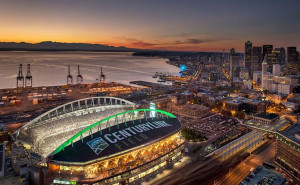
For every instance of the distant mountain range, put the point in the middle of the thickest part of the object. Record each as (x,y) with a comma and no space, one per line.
(59,46)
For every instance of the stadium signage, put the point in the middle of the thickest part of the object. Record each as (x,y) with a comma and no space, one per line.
(56,181)
(126,137)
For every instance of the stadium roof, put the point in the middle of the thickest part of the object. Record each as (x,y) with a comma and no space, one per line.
(53,128)
(116,139)
(76,106)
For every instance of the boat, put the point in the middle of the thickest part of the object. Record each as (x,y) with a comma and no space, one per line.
(159,74)
(160,80)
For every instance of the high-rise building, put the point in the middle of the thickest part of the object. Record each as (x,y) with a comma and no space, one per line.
(267,49)
(265,76)
(234,64)
(264,67)
(282,55)
(232,51)
(292,61)
(273,58)
(276,70)
(256,59)
(247,56)
(267,54)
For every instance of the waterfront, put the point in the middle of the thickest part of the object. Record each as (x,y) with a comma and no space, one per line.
(50,68)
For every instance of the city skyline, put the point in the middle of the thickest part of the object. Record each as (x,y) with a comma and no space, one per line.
(196,26)
(150,92)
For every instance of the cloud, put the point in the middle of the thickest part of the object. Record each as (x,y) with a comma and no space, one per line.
(195,41)
(192,41)
(184,34)
(184,42)
(136,42)
(142,44)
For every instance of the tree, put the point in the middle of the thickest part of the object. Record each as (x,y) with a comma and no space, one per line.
(226,112)
(219,105)
(240,115)
(296,89)
(193,135)
(265,91)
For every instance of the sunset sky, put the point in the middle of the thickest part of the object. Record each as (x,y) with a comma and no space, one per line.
(190,25)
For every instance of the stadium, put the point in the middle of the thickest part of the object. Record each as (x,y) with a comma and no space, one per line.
(101,140)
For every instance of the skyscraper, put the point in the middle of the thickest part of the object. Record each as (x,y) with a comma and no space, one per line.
(282,55)
(267,49)
(232,51)
(267,55)
(247,56)
(234,64)
(263,73)
(266,77)
(271,59)
(276,70)
(256,59)
(292,61)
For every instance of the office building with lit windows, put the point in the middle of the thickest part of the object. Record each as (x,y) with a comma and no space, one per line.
(288,150)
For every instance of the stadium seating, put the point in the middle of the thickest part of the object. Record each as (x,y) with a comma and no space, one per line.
(45,138)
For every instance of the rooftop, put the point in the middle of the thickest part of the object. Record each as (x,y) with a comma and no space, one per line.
(118,139)
(269,116)
(196,106)
(237,102)
(244,100)
(292,132)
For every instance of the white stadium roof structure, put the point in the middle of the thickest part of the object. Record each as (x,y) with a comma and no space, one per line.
(54,127)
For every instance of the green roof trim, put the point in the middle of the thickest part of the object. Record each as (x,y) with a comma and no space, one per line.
(69,141)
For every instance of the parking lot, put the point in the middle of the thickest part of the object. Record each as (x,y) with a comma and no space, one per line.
(212,126)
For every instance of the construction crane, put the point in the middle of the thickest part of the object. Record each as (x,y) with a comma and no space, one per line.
(20,77)
(69,77)
(28,78)
(79,78)
(102,76)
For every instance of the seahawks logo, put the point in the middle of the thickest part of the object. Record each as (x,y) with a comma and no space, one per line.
(97,145)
